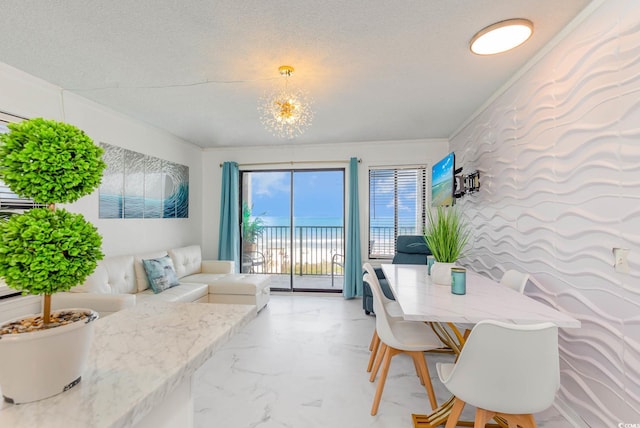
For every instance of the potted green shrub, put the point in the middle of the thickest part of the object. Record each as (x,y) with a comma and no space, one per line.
(446,235)
(252,228)
(44,251)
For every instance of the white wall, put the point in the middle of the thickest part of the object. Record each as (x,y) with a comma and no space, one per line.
(559,155)
(27,96)
(389,153)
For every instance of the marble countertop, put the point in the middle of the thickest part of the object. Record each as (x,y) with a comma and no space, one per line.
(421,300)
(137,357)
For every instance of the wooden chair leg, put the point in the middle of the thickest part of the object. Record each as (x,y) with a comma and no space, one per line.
(389,353)
(482,417)
(376,367)
(418,371)
(524,421)
(375,344)
(418,359)
(456,411)
(374,340)
(528,421)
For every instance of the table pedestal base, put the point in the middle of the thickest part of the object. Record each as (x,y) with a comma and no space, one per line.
(440,415)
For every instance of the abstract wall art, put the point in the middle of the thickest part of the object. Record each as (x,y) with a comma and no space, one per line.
(135,185)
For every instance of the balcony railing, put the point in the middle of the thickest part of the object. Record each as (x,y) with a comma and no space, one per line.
(314,249)
(382,242)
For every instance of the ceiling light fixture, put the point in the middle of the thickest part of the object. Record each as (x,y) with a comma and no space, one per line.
(501,36)
(287,112)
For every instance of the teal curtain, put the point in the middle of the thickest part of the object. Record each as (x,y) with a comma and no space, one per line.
(353,261)
(229,243)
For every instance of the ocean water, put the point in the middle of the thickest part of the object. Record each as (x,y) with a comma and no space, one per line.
(303,221)
(334,222)
(323,243)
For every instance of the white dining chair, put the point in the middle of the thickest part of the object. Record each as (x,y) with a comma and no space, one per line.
(504,370)
(399,336)
(393,310)
(515,280)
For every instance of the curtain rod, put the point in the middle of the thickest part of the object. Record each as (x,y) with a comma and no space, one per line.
(293,162)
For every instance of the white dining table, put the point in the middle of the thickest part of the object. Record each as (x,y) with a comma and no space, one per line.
(485,299)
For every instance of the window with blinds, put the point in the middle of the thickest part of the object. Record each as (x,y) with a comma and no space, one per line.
(397,201)
(8,199)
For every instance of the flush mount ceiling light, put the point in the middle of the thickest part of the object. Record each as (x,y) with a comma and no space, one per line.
(286,112)
(501,36)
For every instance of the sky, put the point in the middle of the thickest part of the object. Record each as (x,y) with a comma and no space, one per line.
(320,194)
(316,193)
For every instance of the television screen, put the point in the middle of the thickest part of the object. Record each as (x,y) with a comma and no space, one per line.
(442,183)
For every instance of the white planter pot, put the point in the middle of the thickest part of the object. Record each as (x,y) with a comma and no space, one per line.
(41,364)
(441,273)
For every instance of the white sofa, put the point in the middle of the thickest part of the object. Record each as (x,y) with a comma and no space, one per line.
(120,281)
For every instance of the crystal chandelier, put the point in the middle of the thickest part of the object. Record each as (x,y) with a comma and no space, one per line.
(287,112)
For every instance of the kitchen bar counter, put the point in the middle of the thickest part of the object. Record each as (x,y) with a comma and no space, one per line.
(139,368)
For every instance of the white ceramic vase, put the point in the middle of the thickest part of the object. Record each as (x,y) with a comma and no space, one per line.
(441,273)
(44,363)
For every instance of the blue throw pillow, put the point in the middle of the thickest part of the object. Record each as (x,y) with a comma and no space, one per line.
(160,273)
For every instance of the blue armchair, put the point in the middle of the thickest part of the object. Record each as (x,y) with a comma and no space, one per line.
(411,250)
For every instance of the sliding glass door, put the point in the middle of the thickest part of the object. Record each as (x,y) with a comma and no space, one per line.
(293,227)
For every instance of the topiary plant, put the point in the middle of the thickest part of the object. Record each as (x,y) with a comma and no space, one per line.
(47,250)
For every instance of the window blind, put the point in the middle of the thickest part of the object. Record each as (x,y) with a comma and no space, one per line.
(8,199)
(397,201)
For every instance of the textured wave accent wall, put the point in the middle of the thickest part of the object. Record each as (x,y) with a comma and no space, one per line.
(559,158)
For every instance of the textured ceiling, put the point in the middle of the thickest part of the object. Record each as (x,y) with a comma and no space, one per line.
(376,69)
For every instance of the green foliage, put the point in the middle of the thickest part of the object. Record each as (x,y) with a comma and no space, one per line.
(49,161)
(251,228)
(44,251)
(446,235)
(5,215)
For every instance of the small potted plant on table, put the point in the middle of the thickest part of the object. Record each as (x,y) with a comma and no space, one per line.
(446,235)
(46,250)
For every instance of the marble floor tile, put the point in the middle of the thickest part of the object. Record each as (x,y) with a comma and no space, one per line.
(302,363)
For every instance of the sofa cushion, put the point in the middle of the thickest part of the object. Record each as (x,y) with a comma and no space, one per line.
(186,260)
(122,278)
(240,284)
(160,273)
(97,282)
(141,275)
(185,292)
(203,278)
(237,283)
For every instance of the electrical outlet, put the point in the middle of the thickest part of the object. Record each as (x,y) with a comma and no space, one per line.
(621,263)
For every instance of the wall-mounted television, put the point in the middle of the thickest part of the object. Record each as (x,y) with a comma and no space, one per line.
(442,181)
